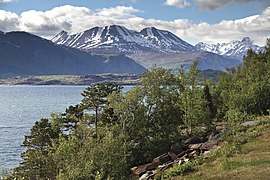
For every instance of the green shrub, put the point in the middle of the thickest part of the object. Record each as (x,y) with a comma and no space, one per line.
(6,174)
(264,120)
(177,170)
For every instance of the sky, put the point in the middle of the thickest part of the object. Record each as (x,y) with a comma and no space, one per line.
(210,21)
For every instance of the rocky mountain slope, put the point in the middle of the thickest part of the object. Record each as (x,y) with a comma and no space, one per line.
(116,38)
(22,53)
(206,60)
(234,49)
(148,47)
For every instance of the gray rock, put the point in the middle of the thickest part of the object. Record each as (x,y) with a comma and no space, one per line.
(250,123)
(162,158)
(214,136)
(144,177)
(176,148)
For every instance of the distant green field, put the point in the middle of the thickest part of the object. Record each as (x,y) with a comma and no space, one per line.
(123,79)
(56,77)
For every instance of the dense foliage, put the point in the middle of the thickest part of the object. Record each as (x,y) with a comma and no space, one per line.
(109,131)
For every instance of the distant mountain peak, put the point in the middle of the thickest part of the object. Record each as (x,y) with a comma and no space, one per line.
(235,49)
(247,39)
(116,38)
(63,32)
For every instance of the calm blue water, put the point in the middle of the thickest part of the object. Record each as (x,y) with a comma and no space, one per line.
(21,106)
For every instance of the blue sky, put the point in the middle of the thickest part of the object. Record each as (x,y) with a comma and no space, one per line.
(150,8)
(192,20)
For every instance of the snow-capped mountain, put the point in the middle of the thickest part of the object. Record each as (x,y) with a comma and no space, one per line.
(152,46)
(165,40)
(234,49)
(120,39)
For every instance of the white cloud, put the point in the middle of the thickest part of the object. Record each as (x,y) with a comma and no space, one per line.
(117,12)
(214,4)
(9,21)
(77,19)
(5,1)
(177,3)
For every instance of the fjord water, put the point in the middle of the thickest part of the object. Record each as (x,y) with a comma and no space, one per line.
(21,106)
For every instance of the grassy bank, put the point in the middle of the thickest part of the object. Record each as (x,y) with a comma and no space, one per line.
(245,155)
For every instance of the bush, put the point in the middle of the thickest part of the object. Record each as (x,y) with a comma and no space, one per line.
(177,170)
(6,174)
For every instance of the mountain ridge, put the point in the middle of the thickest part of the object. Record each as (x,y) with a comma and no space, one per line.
(117,38)
(23,53)
(147,47)
(234,49)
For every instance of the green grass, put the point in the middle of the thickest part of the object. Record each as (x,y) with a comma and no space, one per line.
(180,169)
(248,157)
(55,77)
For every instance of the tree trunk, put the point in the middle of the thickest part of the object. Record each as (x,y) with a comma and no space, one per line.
(96,121)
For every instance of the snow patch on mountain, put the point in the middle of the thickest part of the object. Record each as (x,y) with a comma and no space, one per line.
(121,39)
(234,49)
(165,40)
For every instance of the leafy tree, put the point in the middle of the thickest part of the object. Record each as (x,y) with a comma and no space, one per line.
(37,161)
(86,158)
(191,101)
(209,106)
(221,93)
(246,89)
(95,98)
(148,114)
(71,117)
(108,117)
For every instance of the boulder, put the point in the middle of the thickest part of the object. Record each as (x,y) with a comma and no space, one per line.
(186,160)
(139,170)
(207,146)
(250,123)
(176,148)
(187,141)
(146,175)
(180,161)
(198,140)
(206,153)
(184,153)
(162,159)
(193,153)
(165,166)
(214,136)
(172,156)
(152,166)
(195,146)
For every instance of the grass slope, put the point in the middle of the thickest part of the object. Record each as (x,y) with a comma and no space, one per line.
(251,160)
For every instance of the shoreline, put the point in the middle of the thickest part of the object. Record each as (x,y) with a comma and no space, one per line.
(71,80)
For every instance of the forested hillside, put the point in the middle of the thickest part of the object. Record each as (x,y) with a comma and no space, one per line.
(110,132)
